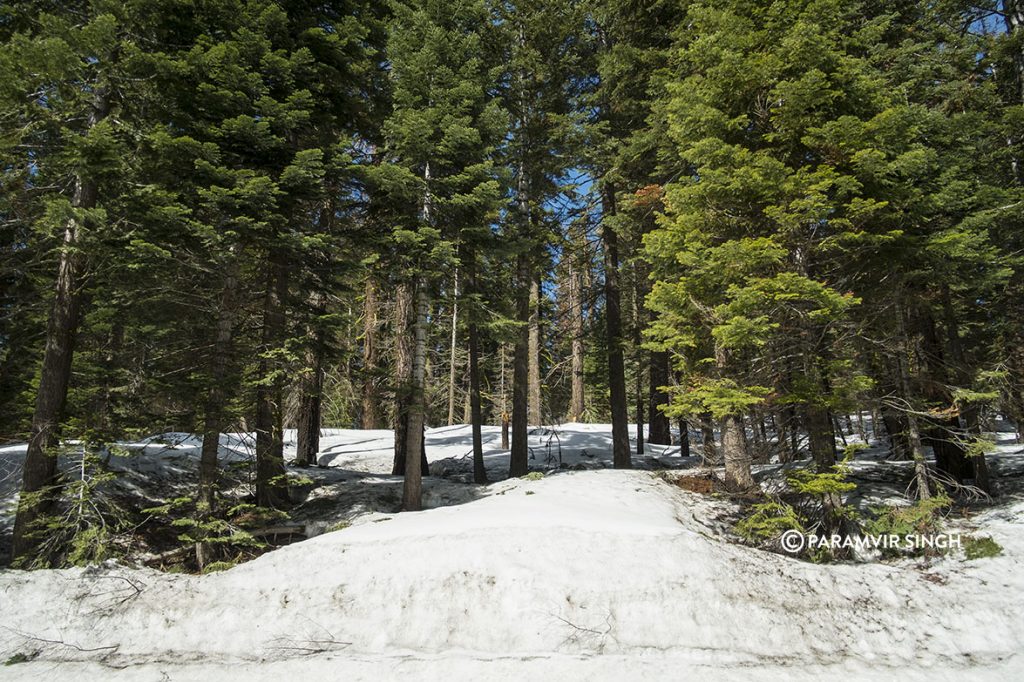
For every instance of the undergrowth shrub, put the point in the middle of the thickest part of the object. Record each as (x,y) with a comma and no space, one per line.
(812,504)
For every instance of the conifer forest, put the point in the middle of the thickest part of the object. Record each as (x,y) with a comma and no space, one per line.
(670,339)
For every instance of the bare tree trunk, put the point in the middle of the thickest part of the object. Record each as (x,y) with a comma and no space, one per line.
(451,354)
(613,313)
(684,438)
(271,483)
(734,441)
(974,467)
(412,488)
(479,471)
(913,432)
(505,421)
(821,439)
(371,397)
(737,458)
(576,403)
(638,394)
(307,439)
(39,476)
(708,451)
(403,372)
(519,457)
(535,417)
(759,454)
(660,429)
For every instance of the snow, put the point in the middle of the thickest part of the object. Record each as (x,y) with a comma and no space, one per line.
(584,574)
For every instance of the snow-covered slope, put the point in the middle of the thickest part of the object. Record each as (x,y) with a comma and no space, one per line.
(602,575)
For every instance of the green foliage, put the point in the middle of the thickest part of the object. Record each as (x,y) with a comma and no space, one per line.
(720,397)
(225,530)
(21,657)
(767,521)
(924,517)
(983,547)
(821,484)
(86,520)
(533,476)
(812,506)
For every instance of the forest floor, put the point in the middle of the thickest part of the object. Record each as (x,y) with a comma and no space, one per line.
(581,573)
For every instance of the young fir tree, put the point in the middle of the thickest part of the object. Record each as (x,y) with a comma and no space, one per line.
(67,142)
(439,173)
(542,86)
(633,160)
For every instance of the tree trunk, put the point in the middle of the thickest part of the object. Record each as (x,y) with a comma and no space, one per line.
(307,440)
(271,483)
(519,457)
(535,416)
(505,421)
(613,313)
(576,402)
(896,430)
(737,458)
(412,487)
(638,392)
(403,372)
(451,353)
(961,466)
(475,408)
(708,451)
(371,417)
(660,429)
(39,476)
(913,433)
(684,438)
(214,417)
(820,436)
(734,440)
(479,471)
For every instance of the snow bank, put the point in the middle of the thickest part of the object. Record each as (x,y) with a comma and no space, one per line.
(602,574)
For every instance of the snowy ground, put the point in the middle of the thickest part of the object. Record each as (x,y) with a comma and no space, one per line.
(585,574)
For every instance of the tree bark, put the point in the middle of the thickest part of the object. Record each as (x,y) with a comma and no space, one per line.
(975,467)
(39,475)
(505,420)
(576,402)
(519,457)
(536,417)
(412,486)
(371,417)
(613,314)
(821,438)
(913,433)
(708,451)
(737,458)
(684,438)
(307,439)
(215,414)
(660,429)
(479,471)
(638,393)
(271,483)
(451,351)
(403,372)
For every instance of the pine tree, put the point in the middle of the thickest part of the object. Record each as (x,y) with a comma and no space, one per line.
(445,124)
